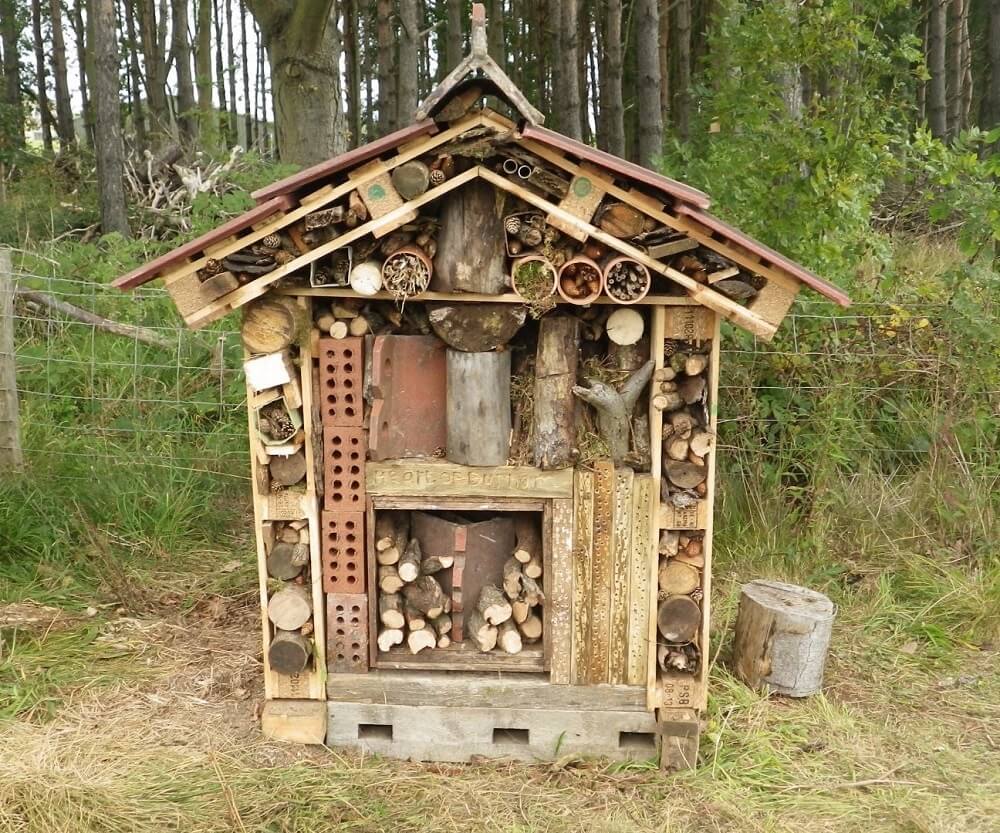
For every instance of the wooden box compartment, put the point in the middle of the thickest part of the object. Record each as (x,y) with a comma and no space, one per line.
(478,534)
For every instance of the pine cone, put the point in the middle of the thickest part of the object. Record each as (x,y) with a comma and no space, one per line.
(272,241)
(211,267)
(437,177)
(512,225)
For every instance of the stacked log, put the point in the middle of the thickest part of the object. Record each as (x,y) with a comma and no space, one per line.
(289,605)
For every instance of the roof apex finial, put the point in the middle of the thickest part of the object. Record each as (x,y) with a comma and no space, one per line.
(479,42)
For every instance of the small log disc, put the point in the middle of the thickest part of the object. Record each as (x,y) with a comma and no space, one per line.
(269,325)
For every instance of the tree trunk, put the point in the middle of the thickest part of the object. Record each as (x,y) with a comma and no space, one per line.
(556,361)
(108,130)
(352,56)
(611,87)
(954,60)
(993,49)
(682,47)
(495,33)
(64,106)
(41,82)
(470,255)
(207,126)
(84,48)
(478,408)
(135,76)
(648,59)
(386,68)
(220,77)
(181,48)
(304,47)
(937,93)
(567,83)
(245,66)
(12,126)
(408,68)
(234,130)
(156,70)
(664,50)
(453,38)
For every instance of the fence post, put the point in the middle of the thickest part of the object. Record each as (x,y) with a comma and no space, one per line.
(11,456)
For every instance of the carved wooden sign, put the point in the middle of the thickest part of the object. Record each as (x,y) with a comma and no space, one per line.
(443,479)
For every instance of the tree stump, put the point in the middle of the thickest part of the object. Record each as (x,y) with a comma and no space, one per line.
(782,636)
(470,254)
(555,408)
(478,408)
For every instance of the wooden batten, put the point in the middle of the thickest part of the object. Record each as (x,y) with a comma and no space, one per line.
(559,598)
(601,573)
(583,547)
(656,344)
(621,551)
(642,595)
(417,478)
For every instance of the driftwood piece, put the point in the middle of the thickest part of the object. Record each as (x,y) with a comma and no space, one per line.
(290,608)
(470,254)
(678,619)
(782,637)
(476,328)
(554,407)
(390,610)
(478,408)
(289,652)
(614,408)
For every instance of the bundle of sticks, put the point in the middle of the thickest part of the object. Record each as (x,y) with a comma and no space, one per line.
(627,280)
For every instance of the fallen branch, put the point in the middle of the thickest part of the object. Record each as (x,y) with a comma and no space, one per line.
(142,334)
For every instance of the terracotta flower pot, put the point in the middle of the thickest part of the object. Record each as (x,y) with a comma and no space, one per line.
(576,271)
(537,279)
(613,283)
(415,280)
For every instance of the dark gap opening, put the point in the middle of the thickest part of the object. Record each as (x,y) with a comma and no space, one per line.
(636,740)
(374,731)
(517,737)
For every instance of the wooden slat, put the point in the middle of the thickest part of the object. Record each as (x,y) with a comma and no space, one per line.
(460,656)
(656,341)
(477,297)
(601,572)
(583,512)
(559,592)
(690,324)
(434,480)
(621,548)
(642,554)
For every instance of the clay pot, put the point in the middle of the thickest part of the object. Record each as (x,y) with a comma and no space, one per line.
(567,277)
(542,285)
(611,288)
(425,277)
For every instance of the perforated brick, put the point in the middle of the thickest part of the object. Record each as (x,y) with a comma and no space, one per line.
(344,469)
(343,541)
(340,367)
(346,632)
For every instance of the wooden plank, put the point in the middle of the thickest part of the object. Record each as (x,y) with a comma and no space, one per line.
(583,512)
(294,721)
(642,556)
(671,247)
(455,504)
(656,344)
(688,323)
(439,479)
(480,690)
(601,572)
(461,656)
(11,455)
(691,517)
(456,733)
(559,592)
(704,294)
(476,297)
(621,548)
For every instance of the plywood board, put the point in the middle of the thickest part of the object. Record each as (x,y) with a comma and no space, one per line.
(601,572)
(688,323)
(642,555)
(583,515)
(691,517)
(444,479)
(621,545)
(559,592)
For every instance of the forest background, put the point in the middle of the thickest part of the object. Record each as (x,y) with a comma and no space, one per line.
(860,449)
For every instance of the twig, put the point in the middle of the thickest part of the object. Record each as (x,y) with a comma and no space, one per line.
(885,780)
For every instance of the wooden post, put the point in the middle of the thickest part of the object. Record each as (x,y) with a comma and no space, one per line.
(11,455)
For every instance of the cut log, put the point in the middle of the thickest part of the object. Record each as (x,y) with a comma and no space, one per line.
(695,364)
(677,448)
(426,595)
(411,179)
(702,442)
(385,531)
(533,594)
(409,562)
(289,652)
(290,608)
(531,627)
(512,578)
(625,326)
(621,220)
(442,625)
(415,619)
(287,471)
(444,640)
(529,541)
(692,389)
(358,326)
(389,637)
(678,619)
(676,578)
(509,638)
(685,475)
(478,408)
(476,328)
(435,564)
(470,254)
(533,569)
(614,408)
(681,423)
(492,605)
(782,637)
(366,278)
(480,631)
(388,579)
(338,330)
(519,610)
(285,561)
(390,610)
(269,325)
(554,414)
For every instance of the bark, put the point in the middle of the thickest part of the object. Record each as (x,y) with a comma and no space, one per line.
(614,408)
(108,131)
(937,97)
(64,106)
(156,69)
(453,41)
(554,413)
(664,50)
(648,59)
(289,652)
(207,129)
(386,68)
(495,33)
(41,80)
(470,255)
(682,47)
(84,42)
(181,48)
(245,66)
(352,56)
(992,108)
(234,130)
(478,408)
(409,68)
(567,85)
(303,44)
(613,113)
(135,79)
(954,59)
(13,118)
(220,75)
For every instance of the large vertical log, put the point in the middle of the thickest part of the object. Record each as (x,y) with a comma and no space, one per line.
(470,255)
(554,406)
(478,408)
